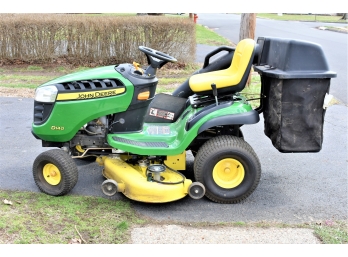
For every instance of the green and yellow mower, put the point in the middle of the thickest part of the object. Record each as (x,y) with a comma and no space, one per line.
(140,138)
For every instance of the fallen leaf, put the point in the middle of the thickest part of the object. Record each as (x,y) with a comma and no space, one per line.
(75,241)
(7,202)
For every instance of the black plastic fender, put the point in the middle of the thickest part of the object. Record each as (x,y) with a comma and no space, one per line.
(250,117)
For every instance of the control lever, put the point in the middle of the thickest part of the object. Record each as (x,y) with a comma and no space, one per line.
(138,70)
(215,93)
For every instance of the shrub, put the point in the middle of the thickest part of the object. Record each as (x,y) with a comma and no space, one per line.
(87,40)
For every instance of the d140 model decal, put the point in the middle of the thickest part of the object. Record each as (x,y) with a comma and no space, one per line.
(161,114)
(57,128)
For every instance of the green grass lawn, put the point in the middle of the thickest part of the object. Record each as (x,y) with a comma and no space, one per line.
(35,218)
(301,17)
(20,80)
(209,37)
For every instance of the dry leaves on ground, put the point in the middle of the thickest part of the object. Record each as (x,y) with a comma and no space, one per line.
(7,202)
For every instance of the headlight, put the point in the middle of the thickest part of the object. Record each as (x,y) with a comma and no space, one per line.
(46,94)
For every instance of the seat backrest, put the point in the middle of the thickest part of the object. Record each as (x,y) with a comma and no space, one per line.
(232,79)
(242,57)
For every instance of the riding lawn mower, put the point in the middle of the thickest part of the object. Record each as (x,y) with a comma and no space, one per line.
(140,138)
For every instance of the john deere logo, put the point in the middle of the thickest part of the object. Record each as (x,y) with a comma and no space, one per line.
(97,94)
(90,95)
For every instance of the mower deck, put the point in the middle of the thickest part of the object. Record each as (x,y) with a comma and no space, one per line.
(136,183)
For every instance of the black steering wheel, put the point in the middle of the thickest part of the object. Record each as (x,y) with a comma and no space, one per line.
(157,54)
(155,59)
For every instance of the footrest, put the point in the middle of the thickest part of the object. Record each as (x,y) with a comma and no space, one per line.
(142,144)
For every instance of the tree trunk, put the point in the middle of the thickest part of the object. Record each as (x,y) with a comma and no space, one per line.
(247,26)
(344,17)
(247,30)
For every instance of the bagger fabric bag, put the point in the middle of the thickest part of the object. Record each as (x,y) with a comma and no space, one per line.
(295,79)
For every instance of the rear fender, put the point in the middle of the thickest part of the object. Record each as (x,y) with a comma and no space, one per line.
(250,117)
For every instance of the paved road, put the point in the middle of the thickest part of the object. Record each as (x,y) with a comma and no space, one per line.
(293,187)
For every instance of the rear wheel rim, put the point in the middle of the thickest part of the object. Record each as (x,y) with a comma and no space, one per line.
(52,174)
(228,173)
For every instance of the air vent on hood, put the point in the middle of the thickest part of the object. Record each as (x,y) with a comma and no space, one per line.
(94,84)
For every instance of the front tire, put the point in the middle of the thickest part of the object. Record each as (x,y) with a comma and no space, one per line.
(55,172)
(228,168)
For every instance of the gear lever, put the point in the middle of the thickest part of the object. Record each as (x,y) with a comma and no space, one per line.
(215,93)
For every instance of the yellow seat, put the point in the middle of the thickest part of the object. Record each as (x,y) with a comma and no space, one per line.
(230,77)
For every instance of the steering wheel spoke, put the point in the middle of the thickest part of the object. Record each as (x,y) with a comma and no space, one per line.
(157,54)
(156,59)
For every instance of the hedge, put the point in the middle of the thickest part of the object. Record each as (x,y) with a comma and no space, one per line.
(102,40)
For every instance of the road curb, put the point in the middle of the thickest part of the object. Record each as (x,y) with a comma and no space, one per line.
(175,234)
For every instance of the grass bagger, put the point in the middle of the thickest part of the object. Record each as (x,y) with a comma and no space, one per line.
(113,114)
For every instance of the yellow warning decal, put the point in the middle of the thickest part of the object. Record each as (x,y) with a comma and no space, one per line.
(90,94)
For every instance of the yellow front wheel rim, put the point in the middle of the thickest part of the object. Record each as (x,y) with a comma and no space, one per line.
(228,173)
(52,174)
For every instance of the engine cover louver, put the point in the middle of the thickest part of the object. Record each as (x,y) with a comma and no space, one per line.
(86,85)
(89,89)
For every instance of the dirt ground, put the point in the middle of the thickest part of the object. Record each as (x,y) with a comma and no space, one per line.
(17,92)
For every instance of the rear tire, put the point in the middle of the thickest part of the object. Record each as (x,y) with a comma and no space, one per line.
(228,168)
(55,172)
